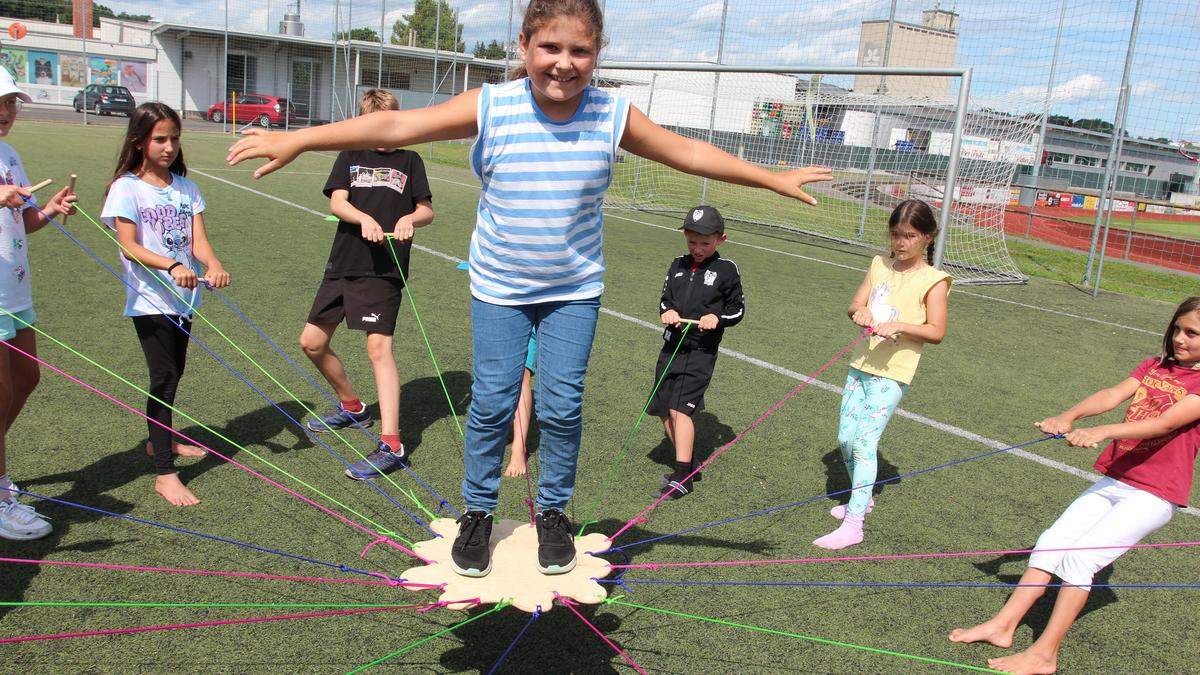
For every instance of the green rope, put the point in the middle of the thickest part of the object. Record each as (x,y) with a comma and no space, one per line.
(378,527)
(171,287)
(418,643)
(629,438)
(835,643)
(428,346)
(223,605)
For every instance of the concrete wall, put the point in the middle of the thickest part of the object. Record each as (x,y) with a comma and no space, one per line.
(912,46)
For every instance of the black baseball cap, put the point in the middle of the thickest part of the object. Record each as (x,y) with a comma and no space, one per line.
(704,220)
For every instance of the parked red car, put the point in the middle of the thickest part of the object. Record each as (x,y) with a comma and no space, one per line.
(261,109)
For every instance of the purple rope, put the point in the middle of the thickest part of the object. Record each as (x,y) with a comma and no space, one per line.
(496,666)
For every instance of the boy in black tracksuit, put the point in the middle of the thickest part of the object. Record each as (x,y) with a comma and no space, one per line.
(705,290)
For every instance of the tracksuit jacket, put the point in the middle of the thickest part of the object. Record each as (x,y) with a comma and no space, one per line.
(712,287)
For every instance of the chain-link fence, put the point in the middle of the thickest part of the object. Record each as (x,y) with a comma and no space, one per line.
(1082,114)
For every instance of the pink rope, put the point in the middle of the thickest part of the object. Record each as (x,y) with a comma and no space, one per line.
(243,467)
(641,517)
(202,624)
(569,604)
(893,556)
(387,581)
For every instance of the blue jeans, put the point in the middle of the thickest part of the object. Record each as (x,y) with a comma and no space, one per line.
(500,338)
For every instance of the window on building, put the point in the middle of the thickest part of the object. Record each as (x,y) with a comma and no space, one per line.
(391,79)
(241,73)
(1136,167)
(1058,158)
(1084,160)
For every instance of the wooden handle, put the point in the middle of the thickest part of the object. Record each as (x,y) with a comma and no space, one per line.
(694,322)
(39,186)
(70,188)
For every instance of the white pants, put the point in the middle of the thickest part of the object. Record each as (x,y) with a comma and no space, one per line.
(1109,513)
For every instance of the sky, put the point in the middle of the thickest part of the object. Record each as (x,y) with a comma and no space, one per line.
(1010,44)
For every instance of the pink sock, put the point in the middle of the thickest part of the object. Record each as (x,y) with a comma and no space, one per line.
(839,511)
(849,533)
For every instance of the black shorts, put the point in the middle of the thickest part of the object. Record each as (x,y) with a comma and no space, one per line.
(683,387)
(366,303)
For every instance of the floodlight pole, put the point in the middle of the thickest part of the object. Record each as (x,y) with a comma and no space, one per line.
(508,40)
(1041,144)
(225,73)
(1110,171)
(882,91)
(712,113)
(379,68)
(947,213)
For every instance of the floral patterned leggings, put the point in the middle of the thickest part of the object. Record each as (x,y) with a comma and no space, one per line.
(867,404)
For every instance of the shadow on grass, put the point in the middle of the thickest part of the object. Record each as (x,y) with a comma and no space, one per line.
(711,434)
(836,478)
(1039,615)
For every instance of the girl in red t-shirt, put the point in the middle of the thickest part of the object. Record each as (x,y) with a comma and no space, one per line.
(1148,470)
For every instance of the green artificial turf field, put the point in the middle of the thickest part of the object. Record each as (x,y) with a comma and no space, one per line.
(1013,355)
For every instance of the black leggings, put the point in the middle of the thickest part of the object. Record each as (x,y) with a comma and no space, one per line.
(165,347)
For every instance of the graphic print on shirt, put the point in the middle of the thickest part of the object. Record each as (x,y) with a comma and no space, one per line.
(882,311)
(9,179)
(172,224)
(1157,392)
(369,177)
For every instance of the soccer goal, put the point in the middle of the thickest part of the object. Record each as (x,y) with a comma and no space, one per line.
(889,134)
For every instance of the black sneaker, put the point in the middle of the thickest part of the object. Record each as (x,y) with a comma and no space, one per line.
(674,484)
(470,555)
(556,543)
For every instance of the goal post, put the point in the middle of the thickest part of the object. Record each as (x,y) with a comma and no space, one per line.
(874,138)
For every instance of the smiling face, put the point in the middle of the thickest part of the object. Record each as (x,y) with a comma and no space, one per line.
(9,107)
(559,58)
(161,146)
(1185,339)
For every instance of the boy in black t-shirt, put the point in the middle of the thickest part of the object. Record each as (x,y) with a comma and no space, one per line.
(374,194)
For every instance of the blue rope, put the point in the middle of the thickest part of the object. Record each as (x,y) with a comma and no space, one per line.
(179,324)
(886,584)
(802,502)
(325,392)
(496,666)
(180,530)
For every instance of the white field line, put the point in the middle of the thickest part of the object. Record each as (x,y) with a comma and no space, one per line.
(834,389)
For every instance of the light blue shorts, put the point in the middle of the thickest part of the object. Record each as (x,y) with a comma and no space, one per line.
(531,354)
(11,323)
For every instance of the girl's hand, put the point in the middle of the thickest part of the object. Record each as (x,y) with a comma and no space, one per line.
(888,331)
(789,183)
(62,202)
(1087,438)
(1055,425)
(184,277)
(707,322)
(403,231)
(862,318)
(217,277)
(280,147)
(670,318)
(371,231)
(13,196)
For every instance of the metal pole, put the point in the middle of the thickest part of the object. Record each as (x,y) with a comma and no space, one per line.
(944,221)
(1041,144)
(881,92)
(1108,215)
(1118,132)
(379,68)
(351,80)
(1129,233)
(712,113)
(437,47)
(637,169)
(509,39)
(225,72)
(87,77)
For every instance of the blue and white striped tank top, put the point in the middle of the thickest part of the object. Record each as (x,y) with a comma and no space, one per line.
(538,229)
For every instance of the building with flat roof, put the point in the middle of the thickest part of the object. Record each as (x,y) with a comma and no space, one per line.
(932,44)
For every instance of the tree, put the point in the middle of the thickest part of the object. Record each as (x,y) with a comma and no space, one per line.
(102,11)
(1060,120)
(1094,124)
(59,11)
(492,50)
(424,21)
(362,34)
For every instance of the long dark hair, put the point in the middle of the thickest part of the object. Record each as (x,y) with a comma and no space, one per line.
(1192,304)
(919,216)
(138,132)
(541,12)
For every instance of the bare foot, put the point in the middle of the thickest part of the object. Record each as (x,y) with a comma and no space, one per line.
(174,491)
(515,468)
(991,632)
(1025,663)
(181,449)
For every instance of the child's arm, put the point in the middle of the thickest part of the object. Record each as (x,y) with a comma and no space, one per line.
(646,139)
(215,274)
(1096,404)
(340,206)
(385,129)
(1179,415)
(859,313)
(735,306)
(666,303)
(183,276)
(420,217)
(62,202)
(934,328)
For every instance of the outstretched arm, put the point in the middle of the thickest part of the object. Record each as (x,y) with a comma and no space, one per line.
(385,129)
(646,139)
(1177,416)
(1096,404)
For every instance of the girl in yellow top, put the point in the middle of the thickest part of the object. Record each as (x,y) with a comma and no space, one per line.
(903,302)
